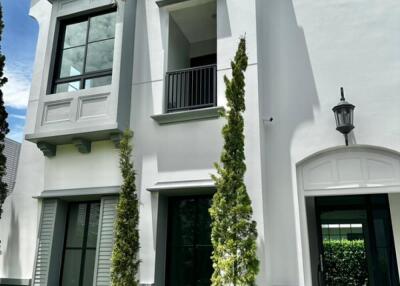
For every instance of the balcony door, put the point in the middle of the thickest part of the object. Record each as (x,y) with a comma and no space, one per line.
(189,241)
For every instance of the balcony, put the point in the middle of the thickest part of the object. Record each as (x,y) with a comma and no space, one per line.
(191,71)
(191,88)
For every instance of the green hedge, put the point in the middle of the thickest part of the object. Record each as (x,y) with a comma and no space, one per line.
(345,263)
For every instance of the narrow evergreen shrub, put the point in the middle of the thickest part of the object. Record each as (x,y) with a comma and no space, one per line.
(3,124)
(233,232)
(125,255)
(345,263)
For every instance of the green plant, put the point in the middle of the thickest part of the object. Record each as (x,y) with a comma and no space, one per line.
(125,255)
(345,263)
(3,124)
(233,233)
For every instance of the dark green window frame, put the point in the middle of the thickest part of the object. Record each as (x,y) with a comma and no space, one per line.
(82,78)
(84,246)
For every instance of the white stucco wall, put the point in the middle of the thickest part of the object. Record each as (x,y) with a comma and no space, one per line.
(18,225)
(70,169)
(178,47)
(307,51)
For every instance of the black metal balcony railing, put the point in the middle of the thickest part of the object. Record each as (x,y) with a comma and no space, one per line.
(191,88)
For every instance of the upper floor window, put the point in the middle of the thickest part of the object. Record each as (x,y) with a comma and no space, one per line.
(85,53)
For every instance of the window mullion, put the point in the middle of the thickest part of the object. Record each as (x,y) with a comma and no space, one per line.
(86,50)
(101,40)
(85,234)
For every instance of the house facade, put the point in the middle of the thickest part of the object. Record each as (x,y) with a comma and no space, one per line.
(157,67)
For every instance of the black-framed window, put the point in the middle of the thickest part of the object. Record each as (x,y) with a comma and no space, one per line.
(85,52)
(80,244)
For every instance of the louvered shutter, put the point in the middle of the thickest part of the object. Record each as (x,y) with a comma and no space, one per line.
(105,241)
(44,244)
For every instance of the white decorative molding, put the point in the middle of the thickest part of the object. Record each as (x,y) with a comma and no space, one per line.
(55,112)
(92,106)
(170,187)
(188,115)
(66,4)
(95,191)
(352,168)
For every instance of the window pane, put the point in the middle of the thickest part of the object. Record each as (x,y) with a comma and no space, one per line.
(69,86)
(93,225)
(75,34)
(100,55)
(72,62)
(102,27)
(98,81)
(72,266)
(88,272)
(76,225)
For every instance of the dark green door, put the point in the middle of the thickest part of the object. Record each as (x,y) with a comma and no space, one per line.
(189,242)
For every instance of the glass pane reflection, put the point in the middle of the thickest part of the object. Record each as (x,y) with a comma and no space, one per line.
(100,55)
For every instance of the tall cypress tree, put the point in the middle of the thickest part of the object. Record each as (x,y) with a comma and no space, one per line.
(3,123)
(233,232)
(125,255)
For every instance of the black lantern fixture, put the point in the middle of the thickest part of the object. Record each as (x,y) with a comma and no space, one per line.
(344,116)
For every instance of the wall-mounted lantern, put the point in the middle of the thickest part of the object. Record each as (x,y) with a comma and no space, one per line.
(344,116)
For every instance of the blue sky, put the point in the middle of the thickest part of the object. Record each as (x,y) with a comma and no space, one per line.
(18,44)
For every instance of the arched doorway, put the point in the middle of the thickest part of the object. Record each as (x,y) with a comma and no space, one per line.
(345,197)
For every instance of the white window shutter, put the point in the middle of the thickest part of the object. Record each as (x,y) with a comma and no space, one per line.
(105,241)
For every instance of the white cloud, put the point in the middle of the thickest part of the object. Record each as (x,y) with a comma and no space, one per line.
(16,90)
(22,117)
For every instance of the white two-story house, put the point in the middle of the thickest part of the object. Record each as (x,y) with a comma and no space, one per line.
(157,67)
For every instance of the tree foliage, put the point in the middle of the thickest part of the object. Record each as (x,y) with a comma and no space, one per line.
(233,233)
(345,263)
(125,255)
(3,123)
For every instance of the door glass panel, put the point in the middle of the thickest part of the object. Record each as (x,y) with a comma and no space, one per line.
(385,263)
(203,231)
(76,225)
(100,55)
(189,241)
(93,225)
(203,265)
(343,233)
(88,271)
(72,266)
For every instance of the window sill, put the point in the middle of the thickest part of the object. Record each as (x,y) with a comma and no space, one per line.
(187,115)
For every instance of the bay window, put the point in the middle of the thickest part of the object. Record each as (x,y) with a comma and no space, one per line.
(85,52)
